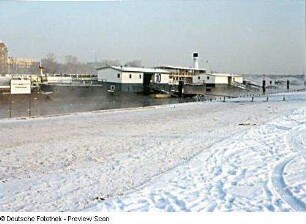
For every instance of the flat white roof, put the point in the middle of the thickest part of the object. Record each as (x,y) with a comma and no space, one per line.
(181,67)
(136,69)
(224,74)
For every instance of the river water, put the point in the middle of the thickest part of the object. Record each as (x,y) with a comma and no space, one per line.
(80,99)
(72,99)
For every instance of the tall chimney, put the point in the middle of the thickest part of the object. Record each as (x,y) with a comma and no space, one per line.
(195,60)
(41,68)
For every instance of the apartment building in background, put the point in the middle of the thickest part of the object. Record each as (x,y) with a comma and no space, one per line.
(3,58)
(18,65)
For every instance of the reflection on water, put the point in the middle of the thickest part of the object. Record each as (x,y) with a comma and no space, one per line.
(72,99)
(80,99)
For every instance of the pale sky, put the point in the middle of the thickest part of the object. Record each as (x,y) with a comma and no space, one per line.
(239,36)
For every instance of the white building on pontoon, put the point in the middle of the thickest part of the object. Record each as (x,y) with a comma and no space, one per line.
(196,75)
(185,74)
(217,79)
(133,79)
(168,78)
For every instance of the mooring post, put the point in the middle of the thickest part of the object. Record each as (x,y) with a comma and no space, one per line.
(264,86)
(288,84)
(10,105)
(30,105)
(180,88)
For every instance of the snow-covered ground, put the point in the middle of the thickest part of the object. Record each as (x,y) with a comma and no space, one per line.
(204,156)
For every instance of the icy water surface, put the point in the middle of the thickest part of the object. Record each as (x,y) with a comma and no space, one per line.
(72,99)
(80,99)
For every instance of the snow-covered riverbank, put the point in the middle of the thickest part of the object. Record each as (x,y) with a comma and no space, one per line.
(232,156)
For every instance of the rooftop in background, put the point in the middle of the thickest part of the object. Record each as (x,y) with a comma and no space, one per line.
(136,69)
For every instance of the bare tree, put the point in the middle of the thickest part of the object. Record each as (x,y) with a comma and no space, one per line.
(50,64)
(72,65)
(34,68)
(69,59)
(111,62)
(134,63)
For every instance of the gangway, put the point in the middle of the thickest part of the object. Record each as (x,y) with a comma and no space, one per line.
(248,86)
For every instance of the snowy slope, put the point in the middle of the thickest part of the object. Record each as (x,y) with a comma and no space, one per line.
(228,156)
(262,169)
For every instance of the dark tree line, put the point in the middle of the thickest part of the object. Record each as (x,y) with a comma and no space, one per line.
(73,66)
